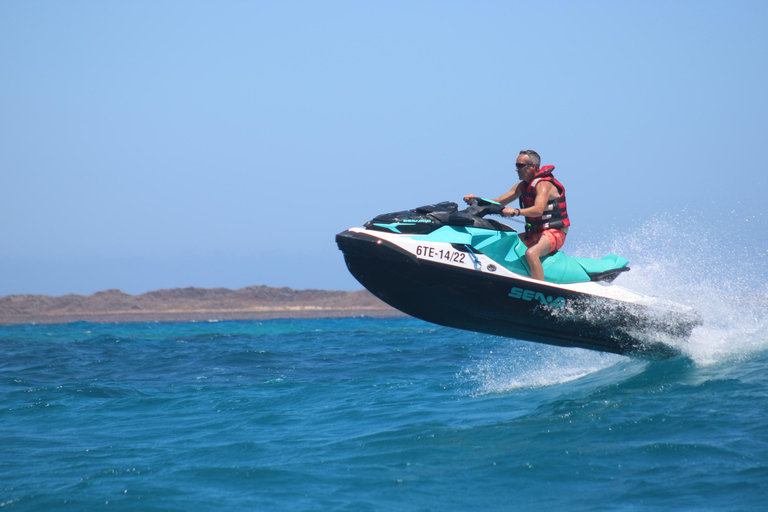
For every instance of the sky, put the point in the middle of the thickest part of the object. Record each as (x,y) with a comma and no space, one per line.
(161,144)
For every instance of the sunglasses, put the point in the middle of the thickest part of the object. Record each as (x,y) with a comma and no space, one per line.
(522,166)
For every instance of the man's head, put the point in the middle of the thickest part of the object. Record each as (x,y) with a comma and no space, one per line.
(527,165)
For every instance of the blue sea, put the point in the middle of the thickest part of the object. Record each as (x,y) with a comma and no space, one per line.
(364,414)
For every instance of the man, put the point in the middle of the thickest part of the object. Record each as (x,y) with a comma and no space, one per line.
(542,202)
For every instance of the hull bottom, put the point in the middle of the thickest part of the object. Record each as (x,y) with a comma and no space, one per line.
(481,302)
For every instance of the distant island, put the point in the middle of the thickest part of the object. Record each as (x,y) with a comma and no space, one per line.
(192,304)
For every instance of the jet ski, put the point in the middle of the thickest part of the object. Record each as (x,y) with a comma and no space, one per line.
(458,269)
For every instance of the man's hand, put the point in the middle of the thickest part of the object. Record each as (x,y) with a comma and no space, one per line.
(510,212)
(468,197)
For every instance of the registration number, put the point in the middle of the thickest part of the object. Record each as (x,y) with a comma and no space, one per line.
(440,254)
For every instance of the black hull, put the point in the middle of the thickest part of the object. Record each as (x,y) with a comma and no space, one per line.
(481,302)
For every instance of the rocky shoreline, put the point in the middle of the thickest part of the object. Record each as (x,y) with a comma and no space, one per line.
(192,304)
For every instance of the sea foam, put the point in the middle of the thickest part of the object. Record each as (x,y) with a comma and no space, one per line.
(719,271)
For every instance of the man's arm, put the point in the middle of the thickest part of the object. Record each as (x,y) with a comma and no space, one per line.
(505,198)
(510,196)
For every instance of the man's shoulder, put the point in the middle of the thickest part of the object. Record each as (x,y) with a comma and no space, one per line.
(542,182)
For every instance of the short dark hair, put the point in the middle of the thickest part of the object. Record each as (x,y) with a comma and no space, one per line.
(533,156)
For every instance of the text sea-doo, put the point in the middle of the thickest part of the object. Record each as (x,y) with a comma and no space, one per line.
(458,269)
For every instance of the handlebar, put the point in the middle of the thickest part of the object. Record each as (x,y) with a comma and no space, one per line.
(479,207)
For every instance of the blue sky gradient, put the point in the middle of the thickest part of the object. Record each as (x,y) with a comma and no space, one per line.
(148,145)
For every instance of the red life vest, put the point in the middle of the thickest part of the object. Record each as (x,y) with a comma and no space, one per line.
(555,214)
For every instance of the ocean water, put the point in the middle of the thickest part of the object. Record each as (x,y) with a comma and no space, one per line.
(363,414)
(373,414)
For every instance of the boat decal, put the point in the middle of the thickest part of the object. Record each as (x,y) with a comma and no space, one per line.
(440,254)
(530,295)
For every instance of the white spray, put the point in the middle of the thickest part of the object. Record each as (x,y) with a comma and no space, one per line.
(719,271)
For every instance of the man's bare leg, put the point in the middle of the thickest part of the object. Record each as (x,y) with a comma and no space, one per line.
(533,256)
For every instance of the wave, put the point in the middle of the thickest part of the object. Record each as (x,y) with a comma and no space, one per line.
(509,367)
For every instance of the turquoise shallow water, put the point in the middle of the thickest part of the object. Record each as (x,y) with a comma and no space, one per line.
(369,414)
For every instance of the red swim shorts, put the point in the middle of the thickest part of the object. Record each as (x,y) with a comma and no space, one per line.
(556,239)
